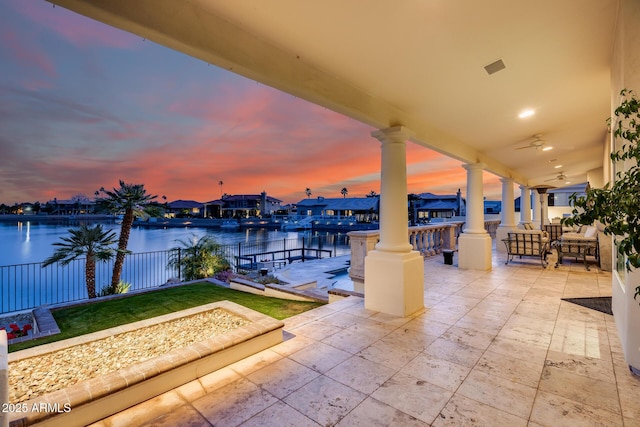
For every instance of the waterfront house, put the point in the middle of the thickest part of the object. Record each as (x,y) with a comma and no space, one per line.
(478,82)
(362,209)
(212,209)
(75,206)
(430,206)
(248,205)
(492,207)
(184,208)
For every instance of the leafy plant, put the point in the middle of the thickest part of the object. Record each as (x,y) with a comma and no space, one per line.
(120,288)
(92,243)
(198,258)
(617,206)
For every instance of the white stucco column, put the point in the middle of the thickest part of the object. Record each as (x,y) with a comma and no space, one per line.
(474,244)
(525,204)
(536,210)
(541,207)
(394,228)
(394,273)
(544,202)
(507,214)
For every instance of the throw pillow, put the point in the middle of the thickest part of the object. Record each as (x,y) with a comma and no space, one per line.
(591,232)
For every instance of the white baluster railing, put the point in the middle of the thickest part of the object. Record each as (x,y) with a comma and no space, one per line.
(429,240)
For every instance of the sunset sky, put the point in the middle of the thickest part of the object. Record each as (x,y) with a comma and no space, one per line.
(83,105)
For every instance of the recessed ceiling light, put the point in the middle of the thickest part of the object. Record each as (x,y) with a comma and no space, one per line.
(547,148)
(526,113)
(557,166)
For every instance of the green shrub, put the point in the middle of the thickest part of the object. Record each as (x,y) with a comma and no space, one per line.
(120,288)
(198,258)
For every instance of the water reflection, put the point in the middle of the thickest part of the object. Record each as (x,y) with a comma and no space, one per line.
(33,241)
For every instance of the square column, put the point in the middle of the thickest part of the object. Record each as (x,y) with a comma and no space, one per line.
(507,214)
(474,244)
(394,273)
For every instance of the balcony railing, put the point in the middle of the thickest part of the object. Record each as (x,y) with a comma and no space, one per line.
(429,240)
(26,286)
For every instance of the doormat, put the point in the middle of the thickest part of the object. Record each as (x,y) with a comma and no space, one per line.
(601,304)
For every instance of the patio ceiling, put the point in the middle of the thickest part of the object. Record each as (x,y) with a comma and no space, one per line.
(417,63)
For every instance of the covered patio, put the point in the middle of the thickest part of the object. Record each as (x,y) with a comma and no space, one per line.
(491,84)
(491,348)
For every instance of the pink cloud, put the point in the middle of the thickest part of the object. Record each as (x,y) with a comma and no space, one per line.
(76,29)
(25,51)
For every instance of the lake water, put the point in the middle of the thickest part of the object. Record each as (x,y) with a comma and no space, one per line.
(27,242)
(24,284)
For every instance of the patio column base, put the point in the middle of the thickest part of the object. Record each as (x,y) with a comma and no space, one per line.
(474,251)
(394,282)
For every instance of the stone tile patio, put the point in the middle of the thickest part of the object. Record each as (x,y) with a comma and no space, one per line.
(494,348)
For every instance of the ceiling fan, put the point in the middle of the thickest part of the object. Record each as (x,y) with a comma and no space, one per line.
(537,143)
(561,177)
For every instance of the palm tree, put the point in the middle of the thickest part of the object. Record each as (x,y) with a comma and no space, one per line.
(198,258)
(92,243)
(307,191)
(344,192)
(220,184)
(133,200)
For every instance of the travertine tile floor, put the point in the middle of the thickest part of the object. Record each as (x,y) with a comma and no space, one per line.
(494,348)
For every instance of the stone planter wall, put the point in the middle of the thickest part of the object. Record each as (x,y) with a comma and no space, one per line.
(93,399)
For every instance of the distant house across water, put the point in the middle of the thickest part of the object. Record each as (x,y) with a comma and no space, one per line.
(75,206)
(430,206)
(363,209)
(241,206)
(248,205)
(182,208)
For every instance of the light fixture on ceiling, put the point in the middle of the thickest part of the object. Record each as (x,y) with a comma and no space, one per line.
(557,166)
(526,113)
(547,148)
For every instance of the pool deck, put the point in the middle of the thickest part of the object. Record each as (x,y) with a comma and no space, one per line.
(490,348)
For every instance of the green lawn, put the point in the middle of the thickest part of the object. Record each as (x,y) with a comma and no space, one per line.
(84,319)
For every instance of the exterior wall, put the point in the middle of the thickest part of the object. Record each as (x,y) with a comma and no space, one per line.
(625,73)
(4,379)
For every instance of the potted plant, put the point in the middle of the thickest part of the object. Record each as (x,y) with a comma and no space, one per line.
(617,206)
